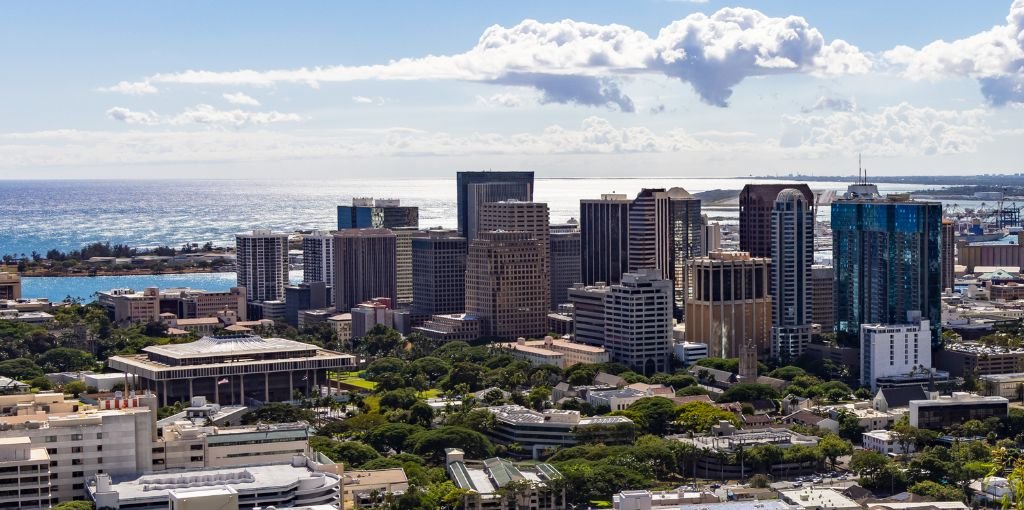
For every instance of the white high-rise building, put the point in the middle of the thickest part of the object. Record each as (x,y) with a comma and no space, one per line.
(318,257)
(888,350)
(261,260)
(792,247)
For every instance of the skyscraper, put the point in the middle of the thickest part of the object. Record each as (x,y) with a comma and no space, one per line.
(439,273)
(649,242)
(364,266)
(685,237)
(729,303)
(756,203)
(948,255)
(886,253)
(261,262)
(792,257)
(519,187)
(632,320)
(403,262)
(517,216)
(318,258)
(711,236)
(604,238)
(564,251)
(304,296)
(821,297)
(506,284)
(380,213)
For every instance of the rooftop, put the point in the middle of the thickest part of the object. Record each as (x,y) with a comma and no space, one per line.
(497,473)
(229,344)
(819,498)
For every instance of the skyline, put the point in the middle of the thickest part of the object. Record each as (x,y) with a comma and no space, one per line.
(675,88)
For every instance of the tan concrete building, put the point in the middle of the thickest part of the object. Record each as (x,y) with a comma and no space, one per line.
(362,488)
(129,306)
(555,351)
(1004,252)
(187,446)
(516,216)
(194,303)
(24,474)
(403,262)
(507,285)
(365,266)
(730,303)
(10,286)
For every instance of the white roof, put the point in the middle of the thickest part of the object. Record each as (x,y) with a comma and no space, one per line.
(230,344)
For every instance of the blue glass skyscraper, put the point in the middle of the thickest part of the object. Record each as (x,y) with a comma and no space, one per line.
(887,257)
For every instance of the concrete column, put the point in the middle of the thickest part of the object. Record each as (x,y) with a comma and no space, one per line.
(216,390)
(291,384)
(190,392)
(241,389)
(164,396)
(266,386)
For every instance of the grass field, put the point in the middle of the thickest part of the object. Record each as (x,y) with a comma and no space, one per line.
(353,379)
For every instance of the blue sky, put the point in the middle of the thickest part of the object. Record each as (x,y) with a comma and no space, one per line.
(103,90)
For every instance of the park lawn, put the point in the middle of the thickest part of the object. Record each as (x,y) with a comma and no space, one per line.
(597,503)
(352,378)
(431,393)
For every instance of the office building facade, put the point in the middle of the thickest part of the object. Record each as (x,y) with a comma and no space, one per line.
(379,213)
(10,286)
(564,250)
(403,263)
(438,273)
(304,296)
(195,303)
(364,266)
(821,296)
(604,239)
(261,262)
(888,350)
(948,254)
(886,253)
(507,284)
(756,204)
(318,258)
(469,199)
(792,245)
(730,303)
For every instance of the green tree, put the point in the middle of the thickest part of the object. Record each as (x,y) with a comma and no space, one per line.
(464,373)
(431,444)
(63,359)
(832,447)
(657,412)
(421,414)
(538,396)
(74,505)
(391,436)
(399,399)
(868,462)
(75,388)
(937,491)
(22,369)
(384,366)
(277,412)
(351,453)
(699,417)
(748,392)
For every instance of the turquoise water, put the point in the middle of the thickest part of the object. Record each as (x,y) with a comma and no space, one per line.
(56,288)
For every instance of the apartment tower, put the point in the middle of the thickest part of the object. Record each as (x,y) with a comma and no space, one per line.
(364,266)
(792,259)
(261,261)
(756,204)
(730,303)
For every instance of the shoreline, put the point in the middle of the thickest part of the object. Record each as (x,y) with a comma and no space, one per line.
(134,272)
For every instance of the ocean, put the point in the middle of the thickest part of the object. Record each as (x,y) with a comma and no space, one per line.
(57,288)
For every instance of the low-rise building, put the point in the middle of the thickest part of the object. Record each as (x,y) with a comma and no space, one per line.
(129,306)
(484,481)
(809,419)
(622,398)
(889,400)
(364,488)
(26,317)
(184,445)
(1010,386)
(959,407)
(24,474)
(818,498)
(884,441)
(972,359)
(342,324)
(558,352)
(718,449)
(538,432)
(690,352)
(658,500)
(451,327)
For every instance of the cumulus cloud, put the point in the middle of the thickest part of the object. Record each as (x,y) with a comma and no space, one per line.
(583,63)
(502,100)
(241,98)
(376,100)
(894,131)
(137,88)
(203,114)
(995,58)
(834,104)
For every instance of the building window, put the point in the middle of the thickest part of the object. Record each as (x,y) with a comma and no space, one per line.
(76,449)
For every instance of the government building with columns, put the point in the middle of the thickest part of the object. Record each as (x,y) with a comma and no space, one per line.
(231,369)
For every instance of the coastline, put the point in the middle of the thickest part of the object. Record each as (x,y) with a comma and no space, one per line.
(131,272)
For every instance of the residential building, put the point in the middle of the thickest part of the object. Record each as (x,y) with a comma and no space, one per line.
(10,286)
(685,241)
(304,296)
(972,359)
(948,254)
(261,263)
(517,216)
(604,239)
(565,256)
(473,189)
(483,483)
(1004,251)
(539,432)
(296,483)
(364,266)
(891,400)
(187,303)
(507,284)
(888,350)
(128,306)
(403,263)
(729,303)
(727,439)
(232,369)
(792,253)
(809,419)
(24,474)
(887,257)
(367,487)
(820,289)
(884,441)
(438,273)
(342,324)
(756,204)
(318,259)
(381,213)
(690,352)
(555,351)
(631,320)
(711,236)
(451,327)
(947,411)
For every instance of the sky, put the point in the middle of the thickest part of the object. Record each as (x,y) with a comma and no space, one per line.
(333,90)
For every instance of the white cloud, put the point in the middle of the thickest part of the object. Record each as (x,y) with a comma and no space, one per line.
(901,130)
(994,57)
(203,114)
(376,100)
(503,100)
(241,98)
(835,104)
(137,88)
(132,117)
(575,62)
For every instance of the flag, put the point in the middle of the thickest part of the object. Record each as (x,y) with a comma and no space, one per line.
(305,377)
(223,381)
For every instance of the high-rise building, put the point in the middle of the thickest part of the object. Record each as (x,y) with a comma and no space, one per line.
(564,251)
(520,187)
(685,239)
(632,320)
(261,262)
(379,213)
(318,257)
(756,204)
(711,236)
(948,255)
(792,257)
(649,242)
(604,239)
(479,195)
(304,296)
(403,262)
(888,350)
(517,216)
(730,303)
(821,297)
(506,284)
(364,266)
(439,273)
(886,252)
(10,286)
